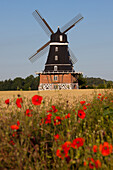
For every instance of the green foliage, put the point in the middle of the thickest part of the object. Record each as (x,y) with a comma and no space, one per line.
(82,82)
(98,83)
(18,83)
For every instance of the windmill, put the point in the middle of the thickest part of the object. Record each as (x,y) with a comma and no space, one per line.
(58,72)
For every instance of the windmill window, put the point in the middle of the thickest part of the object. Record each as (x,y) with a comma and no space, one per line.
(55,78)
(61,38)
(56,48)
(55,68)
(56,57)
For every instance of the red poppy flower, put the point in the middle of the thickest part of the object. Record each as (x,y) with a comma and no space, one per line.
(84,107)
(94,163)
(68,115)
(95,148)
(14,127)
(99,94)
(97,164)
(77,143)
(48,119)
(36,100)
(81,114)
(7,101)
(105,149)
(11,142)
(85,163)
(18,102)
(64,149)
(56,137)
(82,102)
(54,109)
(57,121)
(28,112)
(14,134)
(18,123)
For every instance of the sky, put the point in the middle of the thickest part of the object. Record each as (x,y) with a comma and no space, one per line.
(91,40)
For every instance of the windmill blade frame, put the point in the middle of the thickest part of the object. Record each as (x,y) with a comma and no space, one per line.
(45,26)
(40,52)
(72,56)
(71,23)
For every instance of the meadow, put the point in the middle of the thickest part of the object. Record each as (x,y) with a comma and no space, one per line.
(66,129)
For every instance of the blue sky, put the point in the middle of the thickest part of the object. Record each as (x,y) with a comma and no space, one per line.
(91,40)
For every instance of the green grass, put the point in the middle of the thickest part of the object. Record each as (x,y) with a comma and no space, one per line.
(34,146)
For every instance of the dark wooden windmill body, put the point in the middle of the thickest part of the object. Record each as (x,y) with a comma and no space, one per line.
(58,72)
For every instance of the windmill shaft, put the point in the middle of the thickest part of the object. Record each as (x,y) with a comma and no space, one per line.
(43,47)
(45,22)
(40,49)
(48,26)
(72,25)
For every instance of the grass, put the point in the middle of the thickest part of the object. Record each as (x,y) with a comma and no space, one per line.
(59,132)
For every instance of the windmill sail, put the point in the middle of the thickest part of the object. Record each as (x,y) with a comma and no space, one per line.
(72,56)
(71,23)
(40,52)
(42,23)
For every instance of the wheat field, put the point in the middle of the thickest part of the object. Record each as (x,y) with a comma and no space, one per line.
(70,95)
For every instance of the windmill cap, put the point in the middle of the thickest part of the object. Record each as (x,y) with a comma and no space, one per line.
(59,36)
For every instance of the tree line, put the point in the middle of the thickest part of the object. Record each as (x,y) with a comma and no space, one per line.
(31,83)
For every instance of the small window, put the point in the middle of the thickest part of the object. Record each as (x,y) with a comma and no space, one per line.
(61,38)
(55,68)
(55,78)
(56,48)
(56,57)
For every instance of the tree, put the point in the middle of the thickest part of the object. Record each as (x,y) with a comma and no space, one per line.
(82,82)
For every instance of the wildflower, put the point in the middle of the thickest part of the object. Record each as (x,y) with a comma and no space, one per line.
(81,114)
(14,127)
(93,163)
(57,121)
(56,137)
(85,163)
(67,116)
(48,119)
(97,164)
(36,100)
(7,101)
(77,143)
(11,142)
(99,94)
(105,149)
(82,102)
(54,109)
(62,152)
(95,148)
(18,123)
(28,113)
(84,107)
(18,102)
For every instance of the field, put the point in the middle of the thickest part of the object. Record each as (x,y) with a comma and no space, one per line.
(78,94)
(66,129)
